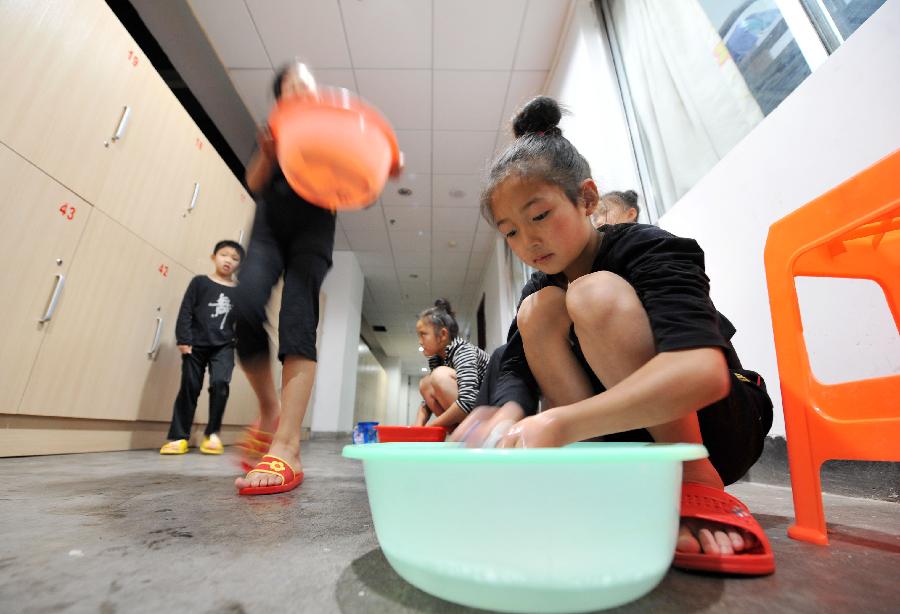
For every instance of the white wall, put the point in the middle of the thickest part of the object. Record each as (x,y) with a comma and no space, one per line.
(841,120)
(395,412)
(413,397)
(371,387)
(336,375)
(498,309)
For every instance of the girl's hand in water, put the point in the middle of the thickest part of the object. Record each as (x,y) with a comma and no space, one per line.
(539,431)
(507,427)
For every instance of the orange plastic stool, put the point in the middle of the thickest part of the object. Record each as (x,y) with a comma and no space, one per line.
(852,231)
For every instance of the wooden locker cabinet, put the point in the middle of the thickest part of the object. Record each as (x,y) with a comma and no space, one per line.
(151,177)
(42,224)
(165,372)
(96,362)
(67,71)
(218,214)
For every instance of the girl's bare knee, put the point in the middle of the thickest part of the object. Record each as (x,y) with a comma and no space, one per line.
(543,312)
(443,378)
(597,298)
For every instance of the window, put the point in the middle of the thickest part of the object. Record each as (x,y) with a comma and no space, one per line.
(697,75)
(700,74)
(836,20)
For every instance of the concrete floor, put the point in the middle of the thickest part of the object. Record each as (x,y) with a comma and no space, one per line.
(136,532)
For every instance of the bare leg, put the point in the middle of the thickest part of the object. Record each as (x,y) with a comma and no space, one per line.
(443,386)
(298,376)
(544,325)
(426,387)
(616,338)
(259,374)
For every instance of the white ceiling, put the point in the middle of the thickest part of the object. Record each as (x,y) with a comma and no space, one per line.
(448,74)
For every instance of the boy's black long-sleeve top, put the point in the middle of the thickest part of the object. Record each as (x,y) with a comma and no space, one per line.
(205,317)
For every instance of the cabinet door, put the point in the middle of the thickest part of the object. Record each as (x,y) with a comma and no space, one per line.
(153,169)
(66,72)
(42,223)
(220,213)
(97,361)
(164,376)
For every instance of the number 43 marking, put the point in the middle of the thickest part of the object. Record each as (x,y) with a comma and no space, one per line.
(67,211)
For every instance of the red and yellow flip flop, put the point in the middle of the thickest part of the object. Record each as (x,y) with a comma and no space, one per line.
(701,502)
(273,465)
(254,444)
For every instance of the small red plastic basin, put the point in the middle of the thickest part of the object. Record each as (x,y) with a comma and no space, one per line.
(388,434)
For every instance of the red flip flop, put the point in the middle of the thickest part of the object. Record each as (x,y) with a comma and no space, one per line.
(254,444)
(706,503)
(273,465)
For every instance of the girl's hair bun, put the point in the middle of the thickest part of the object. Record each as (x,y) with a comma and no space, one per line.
(540,116)
(444,304)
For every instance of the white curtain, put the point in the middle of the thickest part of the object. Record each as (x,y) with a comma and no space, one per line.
(691,102)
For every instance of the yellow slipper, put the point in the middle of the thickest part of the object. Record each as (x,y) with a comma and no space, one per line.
(179,446)
(212,445)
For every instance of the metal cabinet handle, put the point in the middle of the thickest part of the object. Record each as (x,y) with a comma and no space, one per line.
(123,122)
(54,298)
(194,197)
(156,337)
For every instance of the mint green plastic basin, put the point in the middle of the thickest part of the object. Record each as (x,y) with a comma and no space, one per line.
(573,529)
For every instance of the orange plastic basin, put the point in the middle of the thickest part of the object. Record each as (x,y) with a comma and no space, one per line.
(335,150)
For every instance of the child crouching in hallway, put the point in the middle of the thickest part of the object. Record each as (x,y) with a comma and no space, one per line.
(617,208)
(618,332)
(204,333)
(457,368)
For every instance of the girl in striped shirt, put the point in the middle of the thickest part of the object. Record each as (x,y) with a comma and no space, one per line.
(457,368)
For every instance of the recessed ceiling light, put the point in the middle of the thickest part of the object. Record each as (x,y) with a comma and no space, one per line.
(457,193)
(420,233)
(404,192)
(421,349)
(451,243)
(424,369)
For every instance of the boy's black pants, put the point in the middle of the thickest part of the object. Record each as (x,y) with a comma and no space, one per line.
(220,360)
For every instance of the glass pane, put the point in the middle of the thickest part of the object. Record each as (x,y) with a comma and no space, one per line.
(850,14)
(701,74)
(762,47)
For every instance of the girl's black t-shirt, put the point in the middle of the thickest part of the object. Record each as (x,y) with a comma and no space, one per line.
(668,275)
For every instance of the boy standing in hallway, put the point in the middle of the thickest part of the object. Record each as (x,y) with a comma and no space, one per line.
(204,333)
